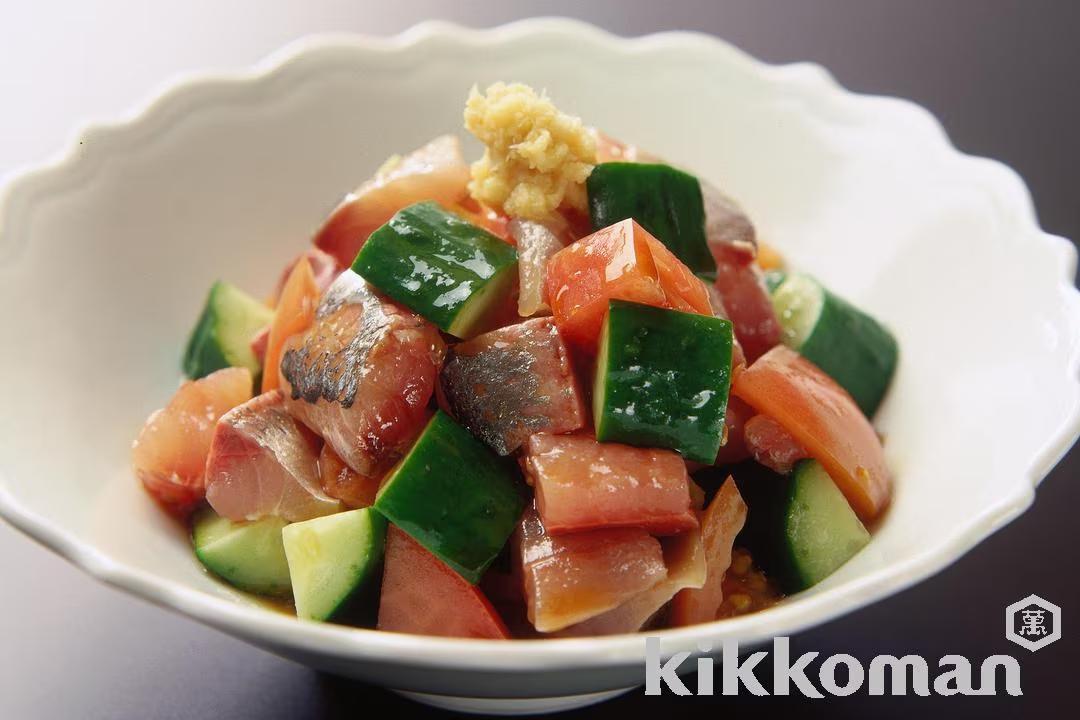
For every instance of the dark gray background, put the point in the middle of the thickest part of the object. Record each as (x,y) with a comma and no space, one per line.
(1002,77)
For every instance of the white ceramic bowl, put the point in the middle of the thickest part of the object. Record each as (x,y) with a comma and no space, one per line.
(105,257)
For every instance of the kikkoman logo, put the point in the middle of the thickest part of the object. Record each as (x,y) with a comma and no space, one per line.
(953,673)
(1033,623)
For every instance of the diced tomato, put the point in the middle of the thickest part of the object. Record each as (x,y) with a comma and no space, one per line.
(170,453)
(734,448)
(295,313)
(571,578)
(824,419)
(342,482)
(263,462)
(510,383)
(362,375)
(772,445)
(423,596)
(582,484)
(436,171)
(720,523)
(683,289)
(324,268)
(684,558)
(583,277)
(746,301)
(624,262)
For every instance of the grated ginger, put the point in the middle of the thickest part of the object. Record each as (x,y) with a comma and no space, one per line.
(536,159)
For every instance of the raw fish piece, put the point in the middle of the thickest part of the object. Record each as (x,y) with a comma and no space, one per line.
(684,557)
(582,484)
(510,383)
(362,375)
(264,463)
(571,578)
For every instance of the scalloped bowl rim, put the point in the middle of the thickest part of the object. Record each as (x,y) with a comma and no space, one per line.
(532,655)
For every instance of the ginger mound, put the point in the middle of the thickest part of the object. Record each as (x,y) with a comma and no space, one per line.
(536,158)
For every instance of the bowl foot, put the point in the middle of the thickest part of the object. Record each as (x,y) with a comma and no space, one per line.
(511,706)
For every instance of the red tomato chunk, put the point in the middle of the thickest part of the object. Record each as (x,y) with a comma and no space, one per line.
(619,262)
(824,419)
(422,595)
(582,484)
(324,269)
(510,383)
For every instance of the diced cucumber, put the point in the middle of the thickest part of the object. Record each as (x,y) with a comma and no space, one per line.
(249,555)
(662,379)
(851,347)
(222,336)
(450,271)
(798,301)
(821,531)
(335,563)
(454,496)
(664,200)
(800,528)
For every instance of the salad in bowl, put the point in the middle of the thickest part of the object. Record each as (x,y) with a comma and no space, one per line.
(561,391)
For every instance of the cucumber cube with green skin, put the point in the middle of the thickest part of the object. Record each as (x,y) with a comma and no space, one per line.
(851,347)
(222,336)
(662,379)
(247,555)
(441,267)
(335,563)
(800,528)
(454,496)
(664,200)
(821,532)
